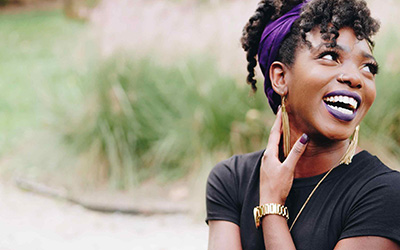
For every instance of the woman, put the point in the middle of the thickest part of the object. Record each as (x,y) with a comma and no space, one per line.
(319,73)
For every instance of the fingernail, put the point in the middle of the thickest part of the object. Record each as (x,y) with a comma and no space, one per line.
(304,139)
(279,107)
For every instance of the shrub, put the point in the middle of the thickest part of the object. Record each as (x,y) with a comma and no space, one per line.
(147,119)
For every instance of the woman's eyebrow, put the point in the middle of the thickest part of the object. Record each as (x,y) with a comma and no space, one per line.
(343,48)
(368,55)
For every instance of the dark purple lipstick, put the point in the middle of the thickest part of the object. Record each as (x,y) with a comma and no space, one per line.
(342,104)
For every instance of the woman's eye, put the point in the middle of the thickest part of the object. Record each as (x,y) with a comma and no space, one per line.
(367,68)
(328,57)
(371,68)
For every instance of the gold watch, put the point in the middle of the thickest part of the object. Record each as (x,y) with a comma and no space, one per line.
(270,208)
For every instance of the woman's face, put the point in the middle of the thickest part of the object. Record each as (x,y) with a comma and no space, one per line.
(329,90)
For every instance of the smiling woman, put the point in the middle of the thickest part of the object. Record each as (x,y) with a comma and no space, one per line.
(319,101)
(312,187)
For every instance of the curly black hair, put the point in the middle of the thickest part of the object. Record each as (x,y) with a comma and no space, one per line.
(328,15)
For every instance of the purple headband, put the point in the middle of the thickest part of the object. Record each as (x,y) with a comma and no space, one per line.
(270,42)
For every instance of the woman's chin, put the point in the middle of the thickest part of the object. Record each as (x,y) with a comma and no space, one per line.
(331,137)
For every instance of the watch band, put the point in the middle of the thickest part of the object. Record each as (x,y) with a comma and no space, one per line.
(270,208)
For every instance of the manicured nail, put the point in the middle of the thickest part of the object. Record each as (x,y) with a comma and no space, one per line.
(279,107)
(304,139)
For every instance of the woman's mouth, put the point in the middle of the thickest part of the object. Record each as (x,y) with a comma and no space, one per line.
(342,104)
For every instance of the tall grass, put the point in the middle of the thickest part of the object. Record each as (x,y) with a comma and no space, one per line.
(145,118)
(148,119)
(382,123)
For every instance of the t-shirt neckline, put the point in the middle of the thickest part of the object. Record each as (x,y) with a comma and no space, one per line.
(337,171)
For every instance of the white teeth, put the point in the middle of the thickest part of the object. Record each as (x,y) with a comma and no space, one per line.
(343,99)
(343,110)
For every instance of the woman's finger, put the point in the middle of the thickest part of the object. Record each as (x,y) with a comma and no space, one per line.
(298,149)
(275,135)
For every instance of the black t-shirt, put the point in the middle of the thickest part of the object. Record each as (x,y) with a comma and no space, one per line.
(360,199)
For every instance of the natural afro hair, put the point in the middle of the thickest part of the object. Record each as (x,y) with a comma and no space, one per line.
(328,15)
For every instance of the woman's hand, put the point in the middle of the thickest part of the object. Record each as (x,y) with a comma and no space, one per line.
(276,177)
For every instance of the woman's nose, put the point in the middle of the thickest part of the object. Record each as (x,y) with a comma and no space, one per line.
(352,79)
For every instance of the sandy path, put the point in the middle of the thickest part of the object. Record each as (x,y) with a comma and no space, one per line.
(29,221)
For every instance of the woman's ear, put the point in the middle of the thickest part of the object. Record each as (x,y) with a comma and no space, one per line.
(277,74)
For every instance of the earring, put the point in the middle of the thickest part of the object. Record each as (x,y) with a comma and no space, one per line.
(348,156)
(285,128)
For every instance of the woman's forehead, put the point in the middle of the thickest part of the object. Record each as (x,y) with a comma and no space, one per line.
(347,41)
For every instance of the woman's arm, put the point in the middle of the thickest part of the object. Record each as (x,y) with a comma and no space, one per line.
(276,180)
(367,243)
(276,233)
(226,235)
(223,235)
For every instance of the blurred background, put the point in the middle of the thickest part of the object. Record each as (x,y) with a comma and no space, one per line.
(113,112)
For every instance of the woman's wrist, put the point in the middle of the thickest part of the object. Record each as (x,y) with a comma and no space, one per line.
(269,209)
(265,199)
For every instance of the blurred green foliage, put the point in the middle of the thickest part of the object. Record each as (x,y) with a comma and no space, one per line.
(382,123)
(136,117)
(36,66)
(148,119)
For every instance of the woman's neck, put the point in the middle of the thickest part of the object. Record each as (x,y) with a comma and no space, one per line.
(319,157)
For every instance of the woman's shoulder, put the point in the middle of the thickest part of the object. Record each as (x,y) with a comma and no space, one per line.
(226,186)
(376,175)
(238,165)
(375,192)
(367,162)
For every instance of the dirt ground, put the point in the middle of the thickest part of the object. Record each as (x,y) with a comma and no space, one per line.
(31,221)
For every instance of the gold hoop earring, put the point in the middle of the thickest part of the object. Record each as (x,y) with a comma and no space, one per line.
(351,150)
(285,128)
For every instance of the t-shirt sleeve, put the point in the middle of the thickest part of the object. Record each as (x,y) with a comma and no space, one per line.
(376,210)
(222,193)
